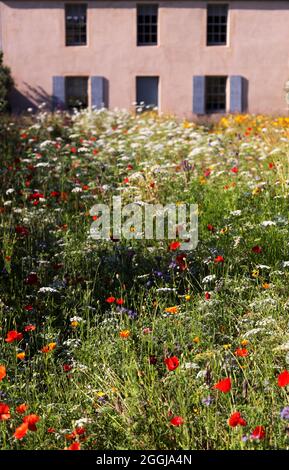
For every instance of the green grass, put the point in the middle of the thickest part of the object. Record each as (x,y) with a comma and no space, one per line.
(119,389)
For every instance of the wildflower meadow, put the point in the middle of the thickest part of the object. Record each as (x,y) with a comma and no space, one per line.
(121,344)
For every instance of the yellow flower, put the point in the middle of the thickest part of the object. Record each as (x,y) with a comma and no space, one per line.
(100,394)
(224,230)
(21,356)
(187,297)
(256,191)
(255,273)
(227,346)
(244,342)
(202,180)
(124,334)
(196,339)
(74,324)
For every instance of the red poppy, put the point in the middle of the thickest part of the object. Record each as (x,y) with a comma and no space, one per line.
(257,249)
(31,420)
(120,301)
(67,367)
(224,385)
(2,372)
(177,421)
(207,172)
(235,169)
(241,352)
(219,259)
(23,231)
(236,419)
(110,300)
(28,308)
(51,430)
(4,412)
(13,335)
(126,180)
(174,246)
(32,279)
(271,165)
(172,362)
(258,433)
(29,328)
(21,408)
(283,378)
(74,446)
(181,261)
(211,228)
(153,360)
(80,431)
(21,431)
(54,194)
(207,295)
(73,149)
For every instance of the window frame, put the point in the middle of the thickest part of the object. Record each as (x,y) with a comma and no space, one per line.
(66,31)
(224,94)
(217,43)
(150,25)
(82,77)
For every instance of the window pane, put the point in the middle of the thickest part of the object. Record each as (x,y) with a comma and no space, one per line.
(147,20)
(217,17)
(147,91)
(216,94)
(76,89)
(75,22)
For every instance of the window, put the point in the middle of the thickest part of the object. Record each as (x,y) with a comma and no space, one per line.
(216,94)
(147,92)
(217,16)
(75,24)
(147,25)
(76,92)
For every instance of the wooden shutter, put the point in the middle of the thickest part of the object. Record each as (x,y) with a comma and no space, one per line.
(199,94)
(58,93)
(236,94)
(97,92)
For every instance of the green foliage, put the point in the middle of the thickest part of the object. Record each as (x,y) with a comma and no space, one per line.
(6,83)
(85,362)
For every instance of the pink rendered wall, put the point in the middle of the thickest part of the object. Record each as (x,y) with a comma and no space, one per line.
(33,41)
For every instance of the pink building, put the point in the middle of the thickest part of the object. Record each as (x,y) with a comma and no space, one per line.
(187,57)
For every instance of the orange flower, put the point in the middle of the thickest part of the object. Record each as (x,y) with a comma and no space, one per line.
(2,372)
(124,334)
(21,431)
(48,348)
(31,421)
(21,408)
(21,356)
(174,309)
(266,285)
(241,352)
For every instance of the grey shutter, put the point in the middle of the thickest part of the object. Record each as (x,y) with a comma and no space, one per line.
(199,94)
(58,93)
(236,94)
(97,92)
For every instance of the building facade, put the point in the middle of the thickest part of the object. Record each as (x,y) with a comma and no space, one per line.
(187,57)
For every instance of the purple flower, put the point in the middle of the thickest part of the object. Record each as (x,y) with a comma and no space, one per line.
(284,414)
(207,401)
